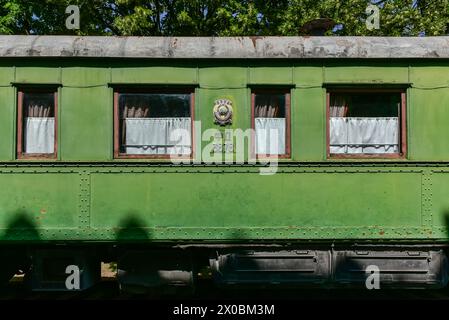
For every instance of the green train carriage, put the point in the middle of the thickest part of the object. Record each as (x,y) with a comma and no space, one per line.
(359,159)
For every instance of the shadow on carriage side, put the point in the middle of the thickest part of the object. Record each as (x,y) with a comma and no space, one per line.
(14,255)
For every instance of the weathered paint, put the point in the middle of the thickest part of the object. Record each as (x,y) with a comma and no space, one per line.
(154,73)
(87,195)
(366,72)
(85,145)
(34,201)
(225,47)
(167,203)
(7,111)
(429,109)
(263,201)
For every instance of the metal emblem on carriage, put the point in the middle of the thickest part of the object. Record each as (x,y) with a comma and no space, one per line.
(222,112)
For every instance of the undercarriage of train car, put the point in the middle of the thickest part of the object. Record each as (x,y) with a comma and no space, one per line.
(169,269)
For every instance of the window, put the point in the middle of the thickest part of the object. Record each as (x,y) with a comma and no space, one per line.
(363,123)
(271,123)
(37,123)
(153,123)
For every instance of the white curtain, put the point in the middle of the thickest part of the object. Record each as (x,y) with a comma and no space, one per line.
(158,136)
(364,135)
(270,136)
(39,135)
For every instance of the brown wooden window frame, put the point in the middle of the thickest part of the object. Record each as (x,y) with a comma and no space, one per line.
(287,93)
(402,154)
(160,90)
(19,140)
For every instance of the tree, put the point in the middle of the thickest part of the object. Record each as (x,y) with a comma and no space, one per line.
(222,17)
(48,17)
(397,17)
(138,17)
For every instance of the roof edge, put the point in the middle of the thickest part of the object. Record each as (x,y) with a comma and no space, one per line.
(224,47)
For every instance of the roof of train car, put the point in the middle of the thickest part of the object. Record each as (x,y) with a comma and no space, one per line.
(225,47)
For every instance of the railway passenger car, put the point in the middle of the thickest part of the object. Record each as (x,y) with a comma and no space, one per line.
(264,161)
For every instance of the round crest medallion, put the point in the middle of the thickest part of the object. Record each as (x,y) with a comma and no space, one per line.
(223,112)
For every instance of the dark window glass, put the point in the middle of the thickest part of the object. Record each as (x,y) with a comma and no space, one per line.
(149,122)
(365,123)
(269,105)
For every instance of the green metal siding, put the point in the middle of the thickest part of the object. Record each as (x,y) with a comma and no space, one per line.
(308,75)
(32,74)
(308,124)
(85,101)
(93,108)
(7,116)
(223,77)
(155,74)
(440,200)
(241,115)
(219,203)
(39,200)
(200,200)
(363,72)
(7,112)
(276,74)
(429,112)
(88,195)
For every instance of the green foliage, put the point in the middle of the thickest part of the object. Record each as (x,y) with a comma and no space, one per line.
(48,17)
(112,266)
(222,17)
(397,17)
(137,17)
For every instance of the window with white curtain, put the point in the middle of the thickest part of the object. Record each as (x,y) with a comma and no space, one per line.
(365,123)
(271,122)
(153,124)
(36,118)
